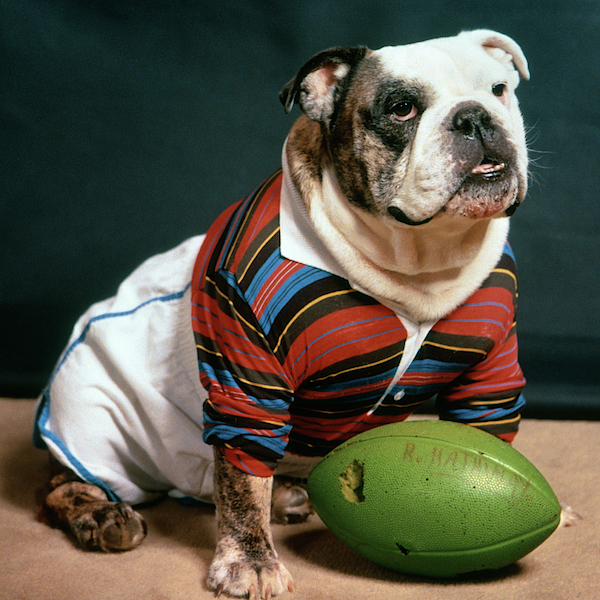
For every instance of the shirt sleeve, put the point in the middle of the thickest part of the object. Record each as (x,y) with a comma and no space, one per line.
(246,414)
(489,395)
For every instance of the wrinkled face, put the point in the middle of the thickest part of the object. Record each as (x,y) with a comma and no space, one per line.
(429,129)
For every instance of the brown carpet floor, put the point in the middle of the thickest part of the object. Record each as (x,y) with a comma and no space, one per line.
(39,563)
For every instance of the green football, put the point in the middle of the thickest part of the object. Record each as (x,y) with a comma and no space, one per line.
(433,498)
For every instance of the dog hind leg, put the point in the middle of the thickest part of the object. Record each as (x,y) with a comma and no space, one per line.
(85,511)
(290,504)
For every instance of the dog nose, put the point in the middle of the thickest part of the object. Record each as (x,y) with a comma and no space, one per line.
(472,121)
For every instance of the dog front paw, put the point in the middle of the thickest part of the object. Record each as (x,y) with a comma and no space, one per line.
(243,577)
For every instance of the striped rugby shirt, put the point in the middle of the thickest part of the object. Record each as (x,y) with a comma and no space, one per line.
(294,359)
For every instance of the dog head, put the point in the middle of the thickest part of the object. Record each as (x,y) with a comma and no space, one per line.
(415,132)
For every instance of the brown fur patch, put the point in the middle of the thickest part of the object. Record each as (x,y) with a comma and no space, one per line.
(243,508)
(306,154)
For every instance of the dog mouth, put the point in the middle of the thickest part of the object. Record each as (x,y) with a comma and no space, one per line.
(486,190)
(471,199)
(489,169)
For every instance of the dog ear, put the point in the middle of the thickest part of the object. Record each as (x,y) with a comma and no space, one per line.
(318,84)
(498,46)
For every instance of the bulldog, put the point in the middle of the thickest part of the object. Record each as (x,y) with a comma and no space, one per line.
(368,275)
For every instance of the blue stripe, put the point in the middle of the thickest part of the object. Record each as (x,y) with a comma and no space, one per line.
(227,379)
(274,260)
(510,350)
(508,250)
(342,327)
(496,304)
(40,429)
(81,338)
(43,413)
(233,334)
(236,218)
(293,285)
(473,415)
(347,386)
(427,390)
(435,366)
(357,340)
(503,367)
(514,384)
(217,433)
(274,192)
(350,401)
(501,325)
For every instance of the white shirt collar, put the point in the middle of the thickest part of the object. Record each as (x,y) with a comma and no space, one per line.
(299,240)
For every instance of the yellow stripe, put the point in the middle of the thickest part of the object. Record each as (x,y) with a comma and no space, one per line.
(268,387)
(490,402)
(248,214)
(214,352)
(506,272)
(267,421)
(514,420)
(256,254)
(361,367)
(349,410)
(476,350)
(237,314)
(307,307)
(265,386)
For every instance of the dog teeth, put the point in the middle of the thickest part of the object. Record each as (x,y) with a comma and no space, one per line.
(487,167)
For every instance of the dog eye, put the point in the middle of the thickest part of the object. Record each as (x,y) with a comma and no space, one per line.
(405,110)
(499,89)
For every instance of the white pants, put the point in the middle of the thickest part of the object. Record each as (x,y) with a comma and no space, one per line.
(123,408)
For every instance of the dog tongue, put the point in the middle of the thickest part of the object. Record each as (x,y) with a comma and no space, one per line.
(487,167)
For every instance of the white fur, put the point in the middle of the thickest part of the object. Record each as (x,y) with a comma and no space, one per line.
(427,271)
(454,70)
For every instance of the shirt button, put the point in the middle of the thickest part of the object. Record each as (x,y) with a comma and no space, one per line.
(399,395)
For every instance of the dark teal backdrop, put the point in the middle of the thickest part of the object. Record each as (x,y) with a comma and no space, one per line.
(127,126)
